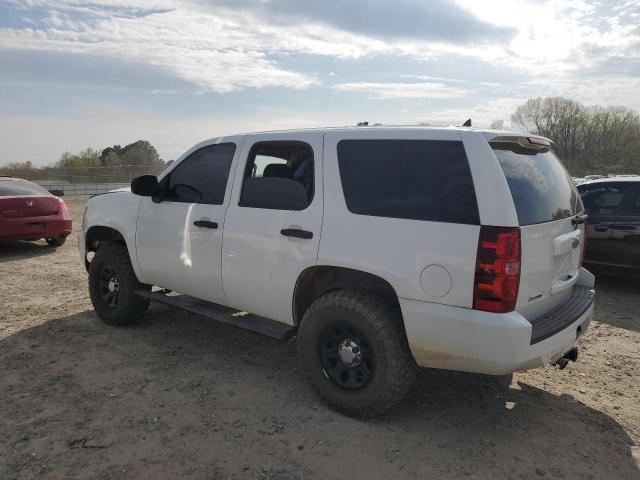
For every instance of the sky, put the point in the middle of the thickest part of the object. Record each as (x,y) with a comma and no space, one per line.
(77,74)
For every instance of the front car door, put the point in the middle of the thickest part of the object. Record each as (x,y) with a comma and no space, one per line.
(625,239)
(272,229)
(179,231)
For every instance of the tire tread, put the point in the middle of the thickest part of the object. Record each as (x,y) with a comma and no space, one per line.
(134,307)
(386,319)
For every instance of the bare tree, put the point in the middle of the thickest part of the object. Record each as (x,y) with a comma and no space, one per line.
(587,139)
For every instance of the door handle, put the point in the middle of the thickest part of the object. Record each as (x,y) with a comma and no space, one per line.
(580,219)
(601,229)
(625,228)
(205,224)
(297,233)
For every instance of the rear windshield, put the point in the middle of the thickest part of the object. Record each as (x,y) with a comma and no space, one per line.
(17,187)
(541,188)
(411,179)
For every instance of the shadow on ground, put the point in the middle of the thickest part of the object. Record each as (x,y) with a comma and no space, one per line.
(177,396)
(618,300)
(20,250)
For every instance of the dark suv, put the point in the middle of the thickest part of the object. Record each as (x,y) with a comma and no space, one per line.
(613,208)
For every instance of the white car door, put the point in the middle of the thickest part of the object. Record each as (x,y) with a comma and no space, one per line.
(272,228)
(179,232)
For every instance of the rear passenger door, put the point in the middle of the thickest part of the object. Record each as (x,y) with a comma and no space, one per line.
(625,238)
(272,228)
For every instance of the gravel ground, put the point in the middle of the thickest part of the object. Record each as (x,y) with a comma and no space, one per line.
(178,396)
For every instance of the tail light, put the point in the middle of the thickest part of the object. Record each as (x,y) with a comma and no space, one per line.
(62,209)
(497,269)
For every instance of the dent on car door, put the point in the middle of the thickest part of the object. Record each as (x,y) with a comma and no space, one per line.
(602,203)
(625,238)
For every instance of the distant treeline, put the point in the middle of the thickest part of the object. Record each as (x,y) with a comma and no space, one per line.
(113,164)
(589,140)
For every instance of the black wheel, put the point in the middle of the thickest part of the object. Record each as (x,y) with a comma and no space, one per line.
(56,241)
(112,283)
(352,345)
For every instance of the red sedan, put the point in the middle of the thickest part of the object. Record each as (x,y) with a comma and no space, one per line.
(29,212)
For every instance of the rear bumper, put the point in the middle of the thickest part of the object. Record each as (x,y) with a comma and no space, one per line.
(35,228)
(467,340)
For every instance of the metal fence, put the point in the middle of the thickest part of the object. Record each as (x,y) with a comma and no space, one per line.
(80,188)
(84,180)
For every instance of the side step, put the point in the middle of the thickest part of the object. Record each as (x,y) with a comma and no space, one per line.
(246,321)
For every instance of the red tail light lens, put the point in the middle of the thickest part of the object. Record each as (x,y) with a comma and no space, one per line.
(497,269)
(62,209)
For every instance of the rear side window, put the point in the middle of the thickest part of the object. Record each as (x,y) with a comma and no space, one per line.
(541,188)
(202,176)
(11,188)
(412,179)
(634,208)
(279,175)
(604,199)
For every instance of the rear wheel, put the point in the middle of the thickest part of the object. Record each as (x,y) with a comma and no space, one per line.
(353,347)
(56,241)
(112,286)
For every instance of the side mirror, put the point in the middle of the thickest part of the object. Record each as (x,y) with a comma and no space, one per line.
(145,185)
(57,193)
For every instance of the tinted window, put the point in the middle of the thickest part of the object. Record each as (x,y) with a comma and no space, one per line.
(602,198)
(17,187)
(634,208)
(202,176)
(278,175)
(413,179)
(541,188)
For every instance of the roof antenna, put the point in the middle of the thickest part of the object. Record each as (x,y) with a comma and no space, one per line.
(467,123)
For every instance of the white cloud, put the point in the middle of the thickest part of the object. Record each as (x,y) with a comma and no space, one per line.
(403,90)
(222,46)
(211,52)
(221,51)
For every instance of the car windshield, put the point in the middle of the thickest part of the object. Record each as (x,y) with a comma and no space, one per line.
(18,187)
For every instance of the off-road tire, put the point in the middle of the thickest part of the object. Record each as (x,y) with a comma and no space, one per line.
(56,241)
(130,307)
(381,322)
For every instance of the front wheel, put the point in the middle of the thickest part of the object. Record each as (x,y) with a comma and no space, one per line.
(352,345)
(112,286)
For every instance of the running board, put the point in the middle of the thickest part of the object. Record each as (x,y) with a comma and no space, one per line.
(245,321)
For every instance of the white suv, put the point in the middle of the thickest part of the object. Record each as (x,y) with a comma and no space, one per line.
(382,248)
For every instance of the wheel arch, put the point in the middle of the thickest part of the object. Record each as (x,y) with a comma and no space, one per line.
(318,280)
(101,233)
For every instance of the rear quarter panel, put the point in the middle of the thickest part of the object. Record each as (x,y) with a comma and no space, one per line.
(397,250)
(495,202)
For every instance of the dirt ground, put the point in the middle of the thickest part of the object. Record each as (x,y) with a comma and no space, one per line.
(178,396)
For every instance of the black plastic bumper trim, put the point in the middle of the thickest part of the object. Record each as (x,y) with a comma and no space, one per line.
(564,315)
